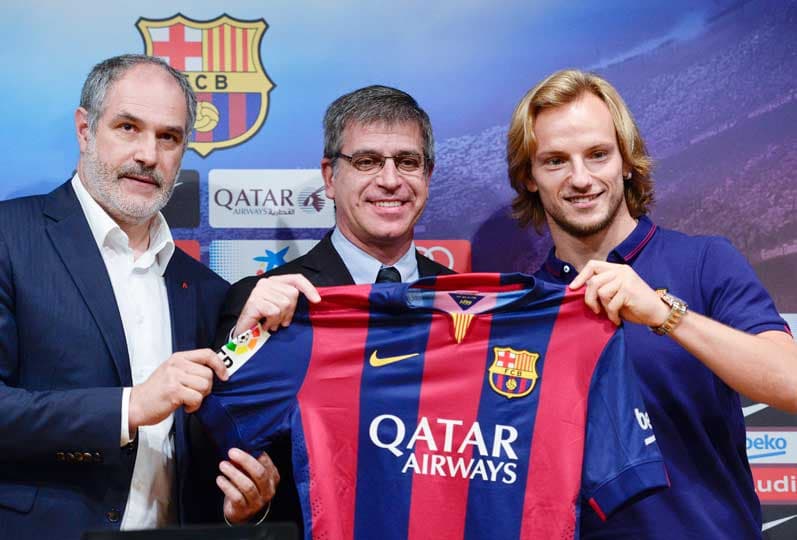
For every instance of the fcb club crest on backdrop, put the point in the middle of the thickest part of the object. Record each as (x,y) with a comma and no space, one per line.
(221,59)
(513,373)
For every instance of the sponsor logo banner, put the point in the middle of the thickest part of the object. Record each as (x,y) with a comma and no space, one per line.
(237,259)
(775,485)
(772,446)
(455,254)
(269,198)
(221,60)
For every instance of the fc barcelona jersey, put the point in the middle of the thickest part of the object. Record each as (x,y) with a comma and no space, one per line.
(466,406)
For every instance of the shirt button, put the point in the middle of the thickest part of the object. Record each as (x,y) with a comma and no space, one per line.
(566,268)
(113,515)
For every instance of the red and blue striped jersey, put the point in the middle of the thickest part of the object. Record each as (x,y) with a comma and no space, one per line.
(464,406)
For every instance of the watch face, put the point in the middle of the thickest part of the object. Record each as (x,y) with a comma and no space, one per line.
(673,301)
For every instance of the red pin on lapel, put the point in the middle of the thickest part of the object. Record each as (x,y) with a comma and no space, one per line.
(185,285)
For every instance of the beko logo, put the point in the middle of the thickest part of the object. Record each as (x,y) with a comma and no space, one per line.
(766,442)
(772,446)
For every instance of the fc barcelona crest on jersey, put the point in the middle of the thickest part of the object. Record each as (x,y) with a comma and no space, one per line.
(513,373)
(221,59)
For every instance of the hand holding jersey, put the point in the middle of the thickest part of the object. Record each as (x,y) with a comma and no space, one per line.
(621,293)
(184,379)
(273,301)
(248,485)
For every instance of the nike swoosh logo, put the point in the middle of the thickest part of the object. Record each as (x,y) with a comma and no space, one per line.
(375,361)
(752,409)
(775,523)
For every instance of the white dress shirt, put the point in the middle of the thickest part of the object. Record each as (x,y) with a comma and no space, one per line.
(364,268)
(140,292)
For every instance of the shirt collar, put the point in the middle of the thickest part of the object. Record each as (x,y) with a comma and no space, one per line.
(106,231)
(625,252)
(363,267)
(630,247)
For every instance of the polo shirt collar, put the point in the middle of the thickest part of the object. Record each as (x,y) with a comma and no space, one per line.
(626,252)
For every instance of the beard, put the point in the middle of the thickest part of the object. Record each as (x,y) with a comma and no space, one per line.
(104,182)
(585,230)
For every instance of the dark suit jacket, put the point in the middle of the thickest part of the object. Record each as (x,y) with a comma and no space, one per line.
(323,267)
(63,363)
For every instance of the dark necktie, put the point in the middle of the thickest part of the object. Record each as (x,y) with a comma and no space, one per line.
(388,274)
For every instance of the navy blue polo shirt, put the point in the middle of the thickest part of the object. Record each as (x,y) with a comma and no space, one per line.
(697,417)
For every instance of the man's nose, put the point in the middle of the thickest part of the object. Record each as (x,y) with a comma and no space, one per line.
(146,152)
(389,177)
(580,177)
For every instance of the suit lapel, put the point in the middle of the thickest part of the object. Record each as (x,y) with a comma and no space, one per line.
(326,266)
(181,291)
(428,268)
(72,240)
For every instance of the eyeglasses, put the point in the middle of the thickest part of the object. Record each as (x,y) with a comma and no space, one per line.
(369,162)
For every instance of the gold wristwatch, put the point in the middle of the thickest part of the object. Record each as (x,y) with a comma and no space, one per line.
(677,310)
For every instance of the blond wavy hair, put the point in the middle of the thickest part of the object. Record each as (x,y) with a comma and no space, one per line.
(559,89)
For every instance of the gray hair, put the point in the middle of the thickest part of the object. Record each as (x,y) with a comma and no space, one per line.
(107,72)
(375,104)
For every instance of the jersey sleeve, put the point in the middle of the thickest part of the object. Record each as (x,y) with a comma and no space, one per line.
(257,403)
(622,461)
(733,293)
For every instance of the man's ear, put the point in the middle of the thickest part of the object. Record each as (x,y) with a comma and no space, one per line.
(328,173)
(82,128)
(531,184)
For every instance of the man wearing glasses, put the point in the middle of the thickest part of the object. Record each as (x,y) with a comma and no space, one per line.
(378,159)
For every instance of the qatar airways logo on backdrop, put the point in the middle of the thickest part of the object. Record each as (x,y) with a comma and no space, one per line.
(269,198)
(445,443)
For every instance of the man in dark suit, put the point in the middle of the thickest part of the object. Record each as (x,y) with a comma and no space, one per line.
(378,159)
(94,298)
